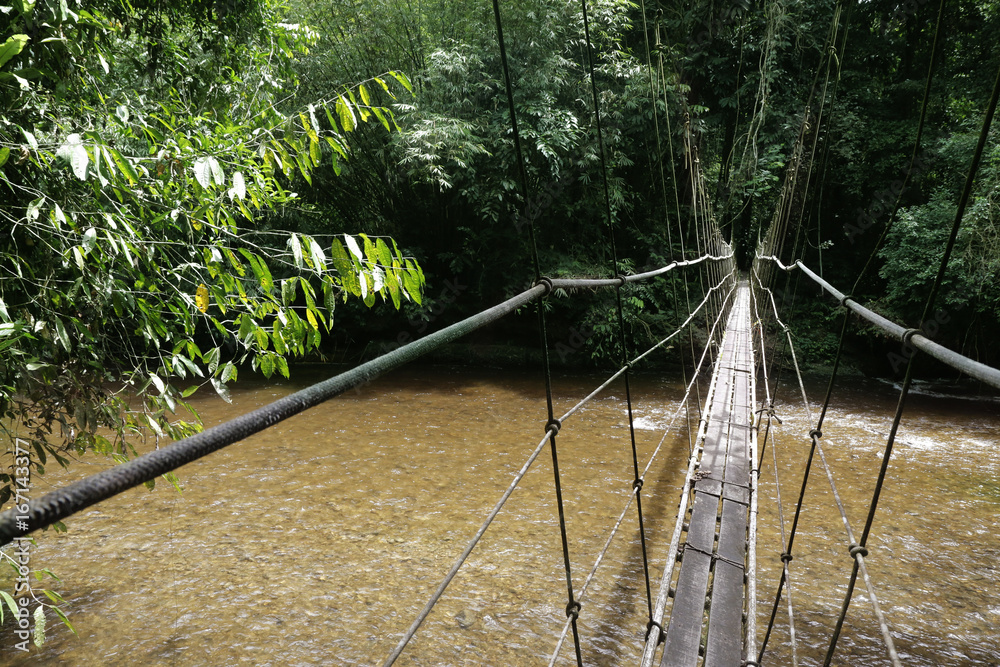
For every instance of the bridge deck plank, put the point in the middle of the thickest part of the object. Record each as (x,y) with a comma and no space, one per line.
(712,569)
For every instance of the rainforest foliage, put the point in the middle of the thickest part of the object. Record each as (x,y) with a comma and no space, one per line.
(194,188)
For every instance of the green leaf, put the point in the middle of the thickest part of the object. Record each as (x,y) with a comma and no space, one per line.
(346,114)
(4,154)
(228,372)
(399,76)
(381,116)
(78,162)
(288,291)
(126,166)
(11,604)
(222,390)
(365,97)
(65,620)
(383,253)
(239,189)
(89,240)
(61,334)
(13,46)
(352,245)
(212,359)
(218,175)
(34,209)
(345,268)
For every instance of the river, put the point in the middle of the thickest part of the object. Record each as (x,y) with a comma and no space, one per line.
(318,542)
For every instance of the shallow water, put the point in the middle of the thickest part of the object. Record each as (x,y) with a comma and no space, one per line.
(319,541)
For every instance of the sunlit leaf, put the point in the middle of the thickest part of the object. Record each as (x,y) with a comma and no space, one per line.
(293,241)
(345,268)
(352,245)
(201,299)
(222,390)
(346,114)
(39,635)
(13,46)
(202,172)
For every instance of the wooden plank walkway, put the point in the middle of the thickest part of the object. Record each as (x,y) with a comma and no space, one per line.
(706,624)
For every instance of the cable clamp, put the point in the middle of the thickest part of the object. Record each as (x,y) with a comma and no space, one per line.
(621,279)
(573,610)
(769,410)
(787,557)
(553,425)
(856,549)
(844,299)
(547,283)
(649,628)
(815,433)
(637,484)
(909,333)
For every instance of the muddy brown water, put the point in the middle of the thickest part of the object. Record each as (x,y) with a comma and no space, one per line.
(318,542)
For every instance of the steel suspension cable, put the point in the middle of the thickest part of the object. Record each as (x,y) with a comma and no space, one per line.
(786,556)
(618,299)
(856,550)
(572,607)
(636,487)
(928,308)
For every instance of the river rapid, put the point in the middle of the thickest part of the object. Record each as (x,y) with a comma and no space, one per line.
(319,541)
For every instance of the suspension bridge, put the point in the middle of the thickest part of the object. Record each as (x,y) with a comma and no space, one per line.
(705,607)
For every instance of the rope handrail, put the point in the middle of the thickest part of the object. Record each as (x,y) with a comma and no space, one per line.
(550,431)
(857,551)
(959,362)
(786,555)
(636,486)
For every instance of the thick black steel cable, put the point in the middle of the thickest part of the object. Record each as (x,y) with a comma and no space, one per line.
(61,503)
(618,298)
(961,363)
(908,379)
(572,607)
